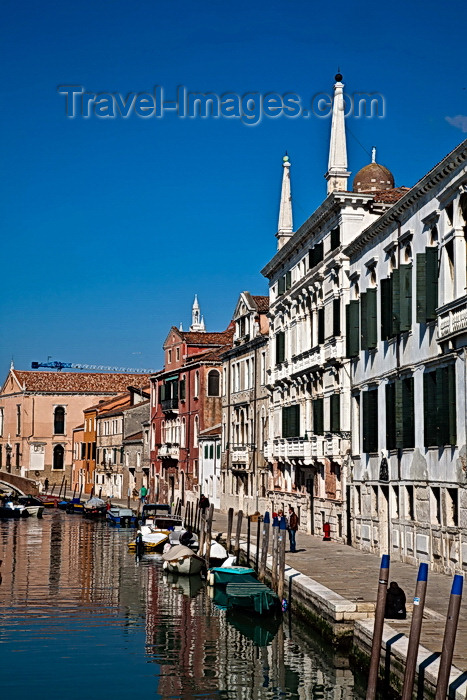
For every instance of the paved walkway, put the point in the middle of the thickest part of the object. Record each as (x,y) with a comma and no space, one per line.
(354,575)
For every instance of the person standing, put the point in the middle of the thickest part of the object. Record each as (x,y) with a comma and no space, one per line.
(142,494)
(203,504)
(293,527)
(46,485)
(395,603)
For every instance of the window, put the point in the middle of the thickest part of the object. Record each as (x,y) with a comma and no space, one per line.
(211,451)
(169,356)
(336,317)
(206,451)
(318,416)
(427,285)
(1,422)
(288,280)
(83,450)
(352,315)
(280,347)
(370,420)
(59,420)
(439,406)
(218,451)
(213,382)
(452,509)
(58,457)
(335,238)
(196,383)
(195,431)
(435,505)
(315,255)
(321,325)
(291,421)
(177,354)
(281,286)
(182,388)
(18,419)
(17,454)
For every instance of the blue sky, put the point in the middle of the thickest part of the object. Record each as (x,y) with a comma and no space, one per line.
(110,226)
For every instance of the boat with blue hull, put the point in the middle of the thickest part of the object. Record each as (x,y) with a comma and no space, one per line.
(222,575)
(121,517)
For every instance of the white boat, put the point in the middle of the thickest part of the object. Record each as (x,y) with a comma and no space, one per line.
(35,511)
(182,560)
(151,539)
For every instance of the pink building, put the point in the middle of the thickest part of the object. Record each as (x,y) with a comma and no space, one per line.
(38,412)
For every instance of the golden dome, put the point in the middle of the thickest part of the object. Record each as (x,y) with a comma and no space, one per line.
(373,178)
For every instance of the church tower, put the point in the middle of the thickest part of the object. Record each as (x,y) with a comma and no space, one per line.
(285,225)
(197,321)
(337,173)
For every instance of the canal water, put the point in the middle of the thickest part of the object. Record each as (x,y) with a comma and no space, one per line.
(81,618)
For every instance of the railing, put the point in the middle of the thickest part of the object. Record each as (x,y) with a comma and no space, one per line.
(240,453)
(169,404)
(334,349)
(452,318)
(172,451)
(287,448)
(308,359)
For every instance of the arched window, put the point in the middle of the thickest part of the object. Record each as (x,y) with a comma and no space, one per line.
(59,420)
(183,433)
(195,432)
(59,453)
(213,383)
(196,383)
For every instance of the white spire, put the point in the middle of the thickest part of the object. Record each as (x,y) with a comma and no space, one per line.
(285,225)
(373,154)
(197,323)
(337,167)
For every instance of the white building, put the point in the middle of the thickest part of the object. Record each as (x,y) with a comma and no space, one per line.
(407,339)
(309,375)
(210,464)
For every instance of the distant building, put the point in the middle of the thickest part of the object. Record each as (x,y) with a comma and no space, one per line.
(246,479)
(210,464)
(38,411)
(185,401)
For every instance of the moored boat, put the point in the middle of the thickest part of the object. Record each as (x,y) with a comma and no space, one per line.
(13,511)
(182,560)
(223,575)
(124,517)
(33,505)
(95,508)
(251,596)
(149,539)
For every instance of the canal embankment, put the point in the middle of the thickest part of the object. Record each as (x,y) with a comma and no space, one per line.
(333,587)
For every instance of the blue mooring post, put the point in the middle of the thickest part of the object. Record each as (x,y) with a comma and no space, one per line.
(415,629)
(264,546)
(281,557)
(449,637)
(378,628)
(275,544)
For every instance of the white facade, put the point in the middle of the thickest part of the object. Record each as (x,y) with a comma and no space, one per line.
(409,474)
(210,467)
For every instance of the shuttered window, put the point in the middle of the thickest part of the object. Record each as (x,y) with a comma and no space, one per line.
(352,319)
(315,255)
(370,420)
(439,406)
(321,325)
(368,320)
(395,302)
(288,280)
(403,413)
(405,278)
(280,347)
(335,406)
(182,389)
(390,416)
(318,416)
(281,285)
(427,285)
(335,237)
(386,308)
(336,317)
(291,421)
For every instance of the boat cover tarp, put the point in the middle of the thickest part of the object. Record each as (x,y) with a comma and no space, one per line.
(94,502)
(251,596)
(179,551)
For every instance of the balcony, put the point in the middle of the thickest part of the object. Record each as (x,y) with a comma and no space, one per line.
(334,349)
(452,319)
(287,449)
(169,405)
(307,360)
(240,454)
(169,451)
(281,371)
(332,445)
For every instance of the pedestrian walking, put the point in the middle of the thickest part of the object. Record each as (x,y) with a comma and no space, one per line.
(46,485)
(143,492)
(293,527)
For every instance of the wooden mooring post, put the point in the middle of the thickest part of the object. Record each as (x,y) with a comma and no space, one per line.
(281,558)
(202,536)
(228,544)
(258,533)
(415,629)
(275,542)
(248,532)
(195,523)
(449,639)
(209,533)
(378,627)
(238,535)
(264,547)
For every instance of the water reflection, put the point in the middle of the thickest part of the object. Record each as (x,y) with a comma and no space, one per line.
(78,608)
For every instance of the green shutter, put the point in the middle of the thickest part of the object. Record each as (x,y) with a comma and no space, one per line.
(431,283)
(294,421)
(408,416)
(280,347)
(370,421)
(321,325)
(451,376)
(175,390)
(398,409)
(429,409)
(395,303)
(352,328)
(318,427)
(371,326)
(390,416)
(336,317)
(288,280)
(421,287)
(281,285)
(205,452)
(442,404)
(386,305)
(211,451)
(363,321)
(182,389)
(335,413)
(365,421)
(162,392)
(319,252)
(285,422)
(405,297)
